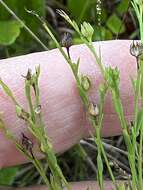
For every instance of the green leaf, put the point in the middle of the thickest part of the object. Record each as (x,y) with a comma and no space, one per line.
(114,23)
(4,15)
(100,170)
(39,6)
(8,91)
(19,8)
(123,6)
(9,31)
(81,9)
(102,33)
(25,41)
(139,121)
(7,175)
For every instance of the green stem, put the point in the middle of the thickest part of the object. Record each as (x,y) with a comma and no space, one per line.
(130,146)
(29,99)
(106,161)
(41,171)
(137,95)
(141,22)
(98,59)
(98,142)
(57,43)
(84,97)
(131,157)
(140,170)
(97,138)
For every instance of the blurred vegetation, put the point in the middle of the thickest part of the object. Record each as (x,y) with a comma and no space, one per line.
(117,21)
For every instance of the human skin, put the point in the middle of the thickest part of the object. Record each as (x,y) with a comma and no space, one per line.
(64,115)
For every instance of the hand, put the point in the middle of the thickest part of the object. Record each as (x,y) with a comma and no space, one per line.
(61,105)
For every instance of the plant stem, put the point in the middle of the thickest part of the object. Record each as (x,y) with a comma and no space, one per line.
(130,146)
(41,171)
(101,148)
(140,170)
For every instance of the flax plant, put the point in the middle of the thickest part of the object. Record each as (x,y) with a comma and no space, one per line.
(95,113)
(112,79)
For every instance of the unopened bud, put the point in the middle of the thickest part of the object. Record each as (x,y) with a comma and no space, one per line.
(87,31)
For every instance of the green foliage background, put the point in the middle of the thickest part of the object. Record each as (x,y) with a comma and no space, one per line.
(12,34)
(14,40)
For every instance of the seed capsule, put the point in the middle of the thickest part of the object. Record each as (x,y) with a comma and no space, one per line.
(27,143)
(136,49)
(85,82)
(28,75)
(93,109)
(21,113)
(67,40)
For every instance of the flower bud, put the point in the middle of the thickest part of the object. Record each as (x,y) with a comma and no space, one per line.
(87,31)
